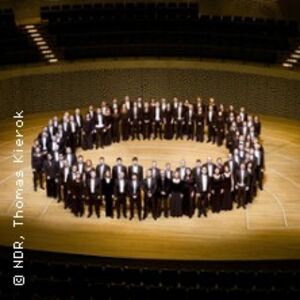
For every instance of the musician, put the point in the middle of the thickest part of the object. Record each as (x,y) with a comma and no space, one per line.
(136,121)
(203,192)
(189,122)
(120,193)
(157,121)
(150,189)
(176,196)
(199,125)
(125,123)
(37,168)
(134,194)
(146,121)
(116,135)
(107,185)
(164,189)
(242,185)
(179,121)
(217,190)
(260,164)
(119,168)
(77,196)
(211,123)
(168,122)
(93,194)
(49,170)
(101,168)
(87,133)
(79,124)
(135,168)
(99,127)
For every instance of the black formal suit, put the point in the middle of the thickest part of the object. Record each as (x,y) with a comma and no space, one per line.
(93,195)
(49,170)
(136,115)
(150,189)
(242,186)
(211,123)
(37,169)
(100,127)
(87,135)
(101,169)
(45,144)
(199,120)
(210,168)
(202,188)
(179,122)
(164,189)
(189,122)
(107,192)
(116,169)
(120,192)
(66,132)
(146,124)
(196,172)
(77,197)
(79,123)
(64,182)
(134,194)
(116,134)
(157,122)
(139,172)
(260,166)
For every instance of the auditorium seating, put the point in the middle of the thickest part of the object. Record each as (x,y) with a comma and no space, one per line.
(163,29)
(15,47)
(63,276)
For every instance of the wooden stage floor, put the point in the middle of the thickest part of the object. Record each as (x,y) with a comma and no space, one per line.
(268,229)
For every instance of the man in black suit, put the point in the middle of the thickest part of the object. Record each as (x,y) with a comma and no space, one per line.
(49,170)
(134,194)
(120,193)
(79,123)
(77,195)
(164,188)
(37,167)
(135,121)
(157,121)
(99,127)
(101,168)
(211,123)
(64,181)
(189,121)
(155,171)
(260,164)
(242,185)
(196,172)
(135,168)
(118,169)
(93,194)
(179,121)
(150,188)
(202,187)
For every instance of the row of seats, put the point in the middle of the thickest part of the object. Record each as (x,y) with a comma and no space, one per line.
(66,276)
(91,31)
(120,10)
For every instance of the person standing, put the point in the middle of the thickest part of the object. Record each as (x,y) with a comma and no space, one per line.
(216,191)
(176,196)
(134,194)
(93,194)
(228,186)
(120,193)
(150,188)
(107,192)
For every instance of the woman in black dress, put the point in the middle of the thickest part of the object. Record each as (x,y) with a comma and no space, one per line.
(176,196)
(107,192)
(216,191)
(146,122)
(199,121)
(108,127)
(168,123)
(87,135)
(188,199)
(228,186)
(115,126)
(125,123)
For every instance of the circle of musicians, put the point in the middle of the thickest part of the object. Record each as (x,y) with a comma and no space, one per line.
(166,191)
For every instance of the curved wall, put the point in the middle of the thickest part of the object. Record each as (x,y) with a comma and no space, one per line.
(58,87)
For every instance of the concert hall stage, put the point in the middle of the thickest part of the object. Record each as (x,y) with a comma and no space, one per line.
(268,229)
